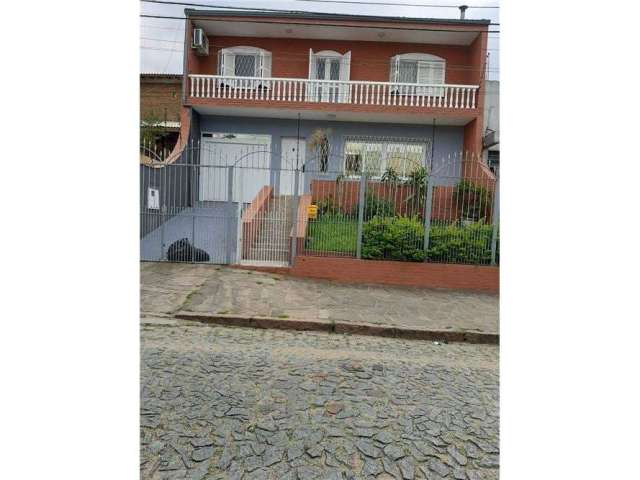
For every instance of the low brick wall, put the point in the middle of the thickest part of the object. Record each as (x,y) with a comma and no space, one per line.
(443,205)
(426,275)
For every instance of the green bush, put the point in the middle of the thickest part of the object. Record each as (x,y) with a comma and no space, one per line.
(401,238)
(393,238)
(375,206)
(461,244)
(473,201)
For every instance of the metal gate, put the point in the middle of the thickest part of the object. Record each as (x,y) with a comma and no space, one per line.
(218,205)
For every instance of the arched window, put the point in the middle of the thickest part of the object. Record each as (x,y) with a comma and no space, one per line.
(332,66)
(244,62)
(420,68)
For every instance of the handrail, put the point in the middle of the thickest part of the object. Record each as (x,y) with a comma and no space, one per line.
(344,82)
(350,92)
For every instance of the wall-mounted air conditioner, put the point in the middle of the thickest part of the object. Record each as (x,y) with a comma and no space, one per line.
(200,42)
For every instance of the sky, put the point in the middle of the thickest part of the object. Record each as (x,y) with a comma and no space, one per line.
(161,40)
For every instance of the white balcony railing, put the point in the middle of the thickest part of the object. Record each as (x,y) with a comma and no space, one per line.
(298,90)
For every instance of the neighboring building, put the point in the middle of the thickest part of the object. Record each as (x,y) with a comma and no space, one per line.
(160,106)
(491,139)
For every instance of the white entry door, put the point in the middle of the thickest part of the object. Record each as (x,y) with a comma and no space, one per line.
(293,151)
(249,154)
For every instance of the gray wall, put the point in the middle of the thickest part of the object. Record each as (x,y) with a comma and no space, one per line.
(492,109)
(448,140)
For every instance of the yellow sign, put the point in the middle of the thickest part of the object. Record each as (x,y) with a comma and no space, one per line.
(312,211)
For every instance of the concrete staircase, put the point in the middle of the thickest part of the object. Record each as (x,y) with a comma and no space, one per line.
(273,241)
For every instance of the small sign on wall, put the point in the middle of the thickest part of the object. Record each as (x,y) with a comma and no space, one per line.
(312,212)
(153,199)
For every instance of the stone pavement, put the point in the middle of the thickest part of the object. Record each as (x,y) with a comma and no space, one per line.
(168,288)
(236,403)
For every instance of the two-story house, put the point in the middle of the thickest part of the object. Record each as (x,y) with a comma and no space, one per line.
(295,102)
(279,77)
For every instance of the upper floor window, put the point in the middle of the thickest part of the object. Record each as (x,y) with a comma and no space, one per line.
(421,69)
(334,67)
(244,62)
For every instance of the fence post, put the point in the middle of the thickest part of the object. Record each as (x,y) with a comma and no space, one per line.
(294,217)
(428,202)
(495,218)
(361,197)
(230,213)
(193,233)
(162,220)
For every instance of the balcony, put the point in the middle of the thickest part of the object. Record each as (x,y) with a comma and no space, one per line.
(291,91)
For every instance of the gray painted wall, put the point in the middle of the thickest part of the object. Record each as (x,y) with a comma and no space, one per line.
(492,109)
(447,140)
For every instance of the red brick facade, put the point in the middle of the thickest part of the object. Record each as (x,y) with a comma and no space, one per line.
(369,61)
(444,207)
(160,93)
(426,275)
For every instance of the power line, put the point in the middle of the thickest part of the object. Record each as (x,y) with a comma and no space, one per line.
(333,25)
(396,4)
(260,9)
(273,10)
(217,6)
(159,27)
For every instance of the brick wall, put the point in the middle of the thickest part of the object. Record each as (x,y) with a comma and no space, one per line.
(425,275)
(443,204)
(160,92)
(369,60)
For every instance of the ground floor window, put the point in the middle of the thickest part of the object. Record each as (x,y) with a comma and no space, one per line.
(377,156)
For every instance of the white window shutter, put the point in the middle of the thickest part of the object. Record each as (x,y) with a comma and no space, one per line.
(394,67)
(431,73)
(425,73)
(345,67)
(229,62)
(265,60)
(345,73)
(312,65)
(264,66)
(438,77)
(220,70)
(310,91)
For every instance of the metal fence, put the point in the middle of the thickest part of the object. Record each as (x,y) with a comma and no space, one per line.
(380,199)
(446,214)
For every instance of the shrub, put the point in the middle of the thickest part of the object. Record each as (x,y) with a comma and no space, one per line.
(461,244)
(390,176)
(393,238)
(375,206)
(402,238)
(473,200)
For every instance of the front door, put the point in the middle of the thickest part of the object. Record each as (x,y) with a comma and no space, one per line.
(328,68)
(293,150)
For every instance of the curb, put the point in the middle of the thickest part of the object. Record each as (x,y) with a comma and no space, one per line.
(341,327)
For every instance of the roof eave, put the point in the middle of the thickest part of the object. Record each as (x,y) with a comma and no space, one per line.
(190,12)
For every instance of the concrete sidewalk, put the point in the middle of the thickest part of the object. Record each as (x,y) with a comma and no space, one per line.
(209,290)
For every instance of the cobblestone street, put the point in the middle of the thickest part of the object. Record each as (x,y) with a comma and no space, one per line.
(220,403)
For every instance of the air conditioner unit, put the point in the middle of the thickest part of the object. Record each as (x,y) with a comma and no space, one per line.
(200,42)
